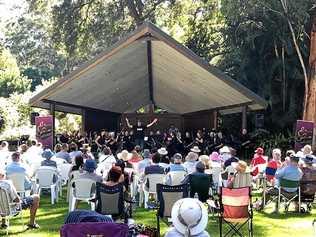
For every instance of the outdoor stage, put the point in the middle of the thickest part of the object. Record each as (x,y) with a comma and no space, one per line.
(148,68)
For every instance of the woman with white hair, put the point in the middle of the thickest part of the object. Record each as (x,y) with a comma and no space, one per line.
(190,162)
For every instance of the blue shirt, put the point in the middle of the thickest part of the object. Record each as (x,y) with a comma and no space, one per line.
(63,155)
(15,167)
(143,164)
(176,167)
(289,172)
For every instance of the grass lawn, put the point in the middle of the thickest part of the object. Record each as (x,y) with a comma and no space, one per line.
(50,218)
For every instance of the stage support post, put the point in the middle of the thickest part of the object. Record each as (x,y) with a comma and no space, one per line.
(52,112)
(83,121)
(244,117)
(215,118)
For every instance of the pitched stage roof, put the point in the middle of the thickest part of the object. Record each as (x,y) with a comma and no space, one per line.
(148,66)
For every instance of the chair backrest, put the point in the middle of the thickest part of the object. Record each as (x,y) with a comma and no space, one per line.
(200,185)
(242,180)
(74,174)
(45,176)
(94,229)
(235,203)
(285,183)
(18,180)
(216,174)
(168,195)
(83,188)
(4,202)
(152,180)
(176,177)
(64,171)
(59,161)
(110,199)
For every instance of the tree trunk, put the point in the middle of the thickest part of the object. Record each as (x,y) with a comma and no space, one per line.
(310,113)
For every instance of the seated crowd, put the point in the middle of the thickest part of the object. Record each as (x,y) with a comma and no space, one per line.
(202,170)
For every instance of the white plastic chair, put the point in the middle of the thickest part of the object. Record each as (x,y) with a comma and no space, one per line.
(216,175)
(18,180)
(82,191)
(59,161)
(176,177)
(45,180)
(64,172)
(73,175)
(152,180)
(9,209)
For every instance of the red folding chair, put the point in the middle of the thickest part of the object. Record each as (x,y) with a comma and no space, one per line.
(235,211)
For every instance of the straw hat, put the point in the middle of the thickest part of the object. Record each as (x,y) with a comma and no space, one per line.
(307,149)
(124,155)
(163,151)
(191,156)
(205,159)
(224,149)
(241,166)
(196,149)
(189,216)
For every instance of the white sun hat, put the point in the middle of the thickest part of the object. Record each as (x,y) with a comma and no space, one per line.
(189,216)
(224,149)
(196,149)
(124,155)
(163,151)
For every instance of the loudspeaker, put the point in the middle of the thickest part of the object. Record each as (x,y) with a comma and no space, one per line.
(32,118)
(259,122)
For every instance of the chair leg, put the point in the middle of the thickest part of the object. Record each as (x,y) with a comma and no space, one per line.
(158,225)
(146,194)
(73,204)
(220,227)
(52,195)
(92,206)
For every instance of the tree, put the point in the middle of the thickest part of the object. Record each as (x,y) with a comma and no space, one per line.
(310,93)
(29,40)
(10,79)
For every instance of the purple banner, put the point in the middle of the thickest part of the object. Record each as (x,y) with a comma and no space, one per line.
(44,130)
(304,134)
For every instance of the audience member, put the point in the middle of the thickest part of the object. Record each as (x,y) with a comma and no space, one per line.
(47,155)
(31,202)
(189,218)
(63,154)
(190,162)
(89,167)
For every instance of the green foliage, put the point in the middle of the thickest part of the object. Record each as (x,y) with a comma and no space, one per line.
(10,78)
(29,40)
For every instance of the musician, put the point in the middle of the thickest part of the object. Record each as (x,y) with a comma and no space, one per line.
(112,142)
(64,138)
(127,142)
(101,139)
(199,140)
(245,144)
(159,139)
(150,141)
(139,131)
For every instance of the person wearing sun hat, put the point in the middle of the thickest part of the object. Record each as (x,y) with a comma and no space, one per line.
(190,162)
(308,186)
(195,149)
(189,218)
(47,155)
(290,172)
(257,160)
(241,177)
(124,155)
(145,162)
(215,160)
(225,153)
(90,167)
